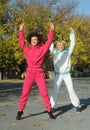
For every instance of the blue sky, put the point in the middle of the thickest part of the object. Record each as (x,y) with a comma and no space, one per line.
(83,7)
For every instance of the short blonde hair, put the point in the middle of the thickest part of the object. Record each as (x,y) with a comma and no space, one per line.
(63,41)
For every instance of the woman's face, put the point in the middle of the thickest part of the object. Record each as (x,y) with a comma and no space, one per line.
(60,46)
(34,41)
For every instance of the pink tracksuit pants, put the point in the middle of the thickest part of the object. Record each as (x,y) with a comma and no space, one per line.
(34,74)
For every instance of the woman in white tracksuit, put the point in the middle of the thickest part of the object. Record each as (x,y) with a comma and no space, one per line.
(61,59)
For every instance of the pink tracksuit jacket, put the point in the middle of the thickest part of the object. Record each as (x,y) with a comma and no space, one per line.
(34,72)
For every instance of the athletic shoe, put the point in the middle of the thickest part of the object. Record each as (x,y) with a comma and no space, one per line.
(78,109)
(53,110)
(19,114)
(51,115)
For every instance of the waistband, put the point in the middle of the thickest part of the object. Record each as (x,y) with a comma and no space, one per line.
(62,73)
(34,67)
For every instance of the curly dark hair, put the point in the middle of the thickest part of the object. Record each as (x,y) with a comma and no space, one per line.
(39,36)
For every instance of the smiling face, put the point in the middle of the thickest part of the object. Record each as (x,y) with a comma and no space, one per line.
(60,46)
(34,41)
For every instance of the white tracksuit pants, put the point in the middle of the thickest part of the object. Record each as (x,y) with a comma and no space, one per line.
(68,81)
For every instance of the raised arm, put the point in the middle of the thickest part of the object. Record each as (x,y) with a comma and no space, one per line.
(50,38)
(21,37)
(51,48)
(72,40)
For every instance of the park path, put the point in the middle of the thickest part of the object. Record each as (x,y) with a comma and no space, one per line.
(34,117)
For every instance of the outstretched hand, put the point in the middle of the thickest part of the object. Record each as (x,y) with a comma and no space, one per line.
(51,26)
(21,26)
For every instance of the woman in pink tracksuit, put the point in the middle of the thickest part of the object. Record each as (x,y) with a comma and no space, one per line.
(34,57)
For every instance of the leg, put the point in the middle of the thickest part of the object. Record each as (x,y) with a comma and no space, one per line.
(25,93)
(41,82)
(74,99)
(56,87)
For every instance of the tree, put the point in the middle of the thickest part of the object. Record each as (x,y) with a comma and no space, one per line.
(81,55)
(37,15)
(4,13)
